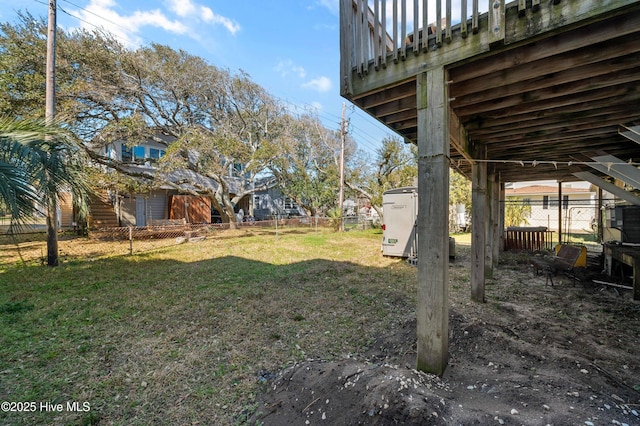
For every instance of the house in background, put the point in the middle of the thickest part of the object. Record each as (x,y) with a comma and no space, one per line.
(112,208)
(579,204)
(269,202)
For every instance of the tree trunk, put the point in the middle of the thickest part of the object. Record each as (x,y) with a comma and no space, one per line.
(228,208)
(379,211)
(224,206)
(52,232)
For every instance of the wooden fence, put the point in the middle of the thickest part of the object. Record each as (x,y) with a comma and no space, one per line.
(528,238)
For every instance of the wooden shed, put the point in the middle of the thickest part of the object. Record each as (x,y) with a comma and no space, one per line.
(192,208)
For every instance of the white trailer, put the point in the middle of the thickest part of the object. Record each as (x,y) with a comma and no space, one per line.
(400,225)
(400,210)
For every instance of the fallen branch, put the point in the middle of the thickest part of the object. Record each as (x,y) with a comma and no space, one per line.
(310,404)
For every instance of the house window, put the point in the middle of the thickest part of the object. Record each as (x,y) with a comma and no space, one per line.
(545,202)
(127,155)
(156,154)
(565,202)
(138,152)
(237,169)
(289,204)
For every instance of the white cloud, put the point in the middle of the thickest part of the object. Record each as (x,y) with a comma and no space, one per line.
(209,16)
(320,84)
(155,18)
(103,14)
(189,9)
(287,67)
(182,7)
(127,28)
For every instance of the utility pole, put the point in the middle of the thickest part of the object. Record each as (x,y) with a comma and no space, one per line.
(343,132)
(50,113)
(50,96)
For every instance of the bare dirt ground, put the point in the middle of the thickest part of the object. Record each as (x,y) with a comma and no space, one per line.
(532,355)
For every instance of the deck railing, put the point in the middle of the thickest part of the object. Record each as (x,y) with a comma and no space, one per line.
(379,30)
(374,32)
(377,33)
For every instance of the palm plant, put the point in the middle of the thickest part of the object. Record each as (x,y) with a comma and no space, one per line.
(38,163)
(17,194)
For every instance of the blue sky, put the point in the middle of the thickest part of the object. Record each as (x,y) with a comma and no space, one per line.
(290,47)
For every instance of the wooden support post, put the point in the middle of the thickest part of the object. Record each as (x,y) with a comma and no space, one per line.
(501,201)
(496,226)
(433,222)
(478,224)
(489,224)
(636,279)
(599,219)
(559,212)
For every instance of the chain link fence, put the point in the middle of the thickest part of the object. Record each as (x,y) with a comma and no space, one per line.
(578,220)
(578,216)
(29,246)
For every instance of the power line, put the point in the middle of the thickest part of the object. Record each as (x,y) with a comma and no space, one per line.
(363,139)
(80,19)
(90,12)
(371,141)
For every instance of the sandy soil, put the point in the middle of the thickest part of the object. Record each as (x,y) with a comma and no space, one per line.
(532,355)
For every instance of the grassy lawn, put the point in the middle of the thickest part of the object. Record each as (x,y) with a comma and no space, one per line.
(188,333)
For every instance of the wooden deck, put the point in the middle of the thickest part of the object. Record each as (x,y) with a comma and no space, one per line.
(503,93)
(546,93)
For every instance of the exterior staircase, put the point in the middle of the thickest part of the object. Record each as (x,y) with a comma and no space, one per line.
(102,213)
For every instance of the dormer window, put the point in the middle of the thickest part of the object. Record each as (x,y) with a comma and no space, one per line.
(138,153)
(127,154)
(156,154)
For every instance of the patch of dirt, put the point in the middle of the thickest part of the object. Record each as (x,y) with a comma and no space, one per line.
(532,355)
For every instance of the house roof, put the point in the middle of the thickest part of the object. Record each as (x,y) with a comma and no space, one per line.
(544,190)
(189,180)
